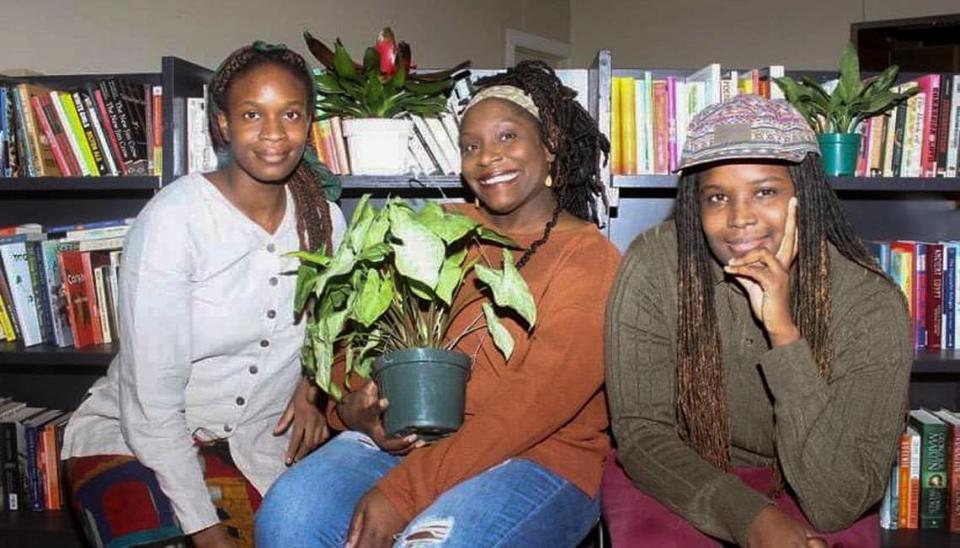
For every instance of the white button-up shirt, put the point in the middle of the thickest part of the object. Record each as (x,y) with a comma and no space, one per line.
(208,348)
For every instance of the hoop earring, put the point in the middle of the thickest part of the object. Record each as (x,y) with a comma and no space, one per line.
(548,182)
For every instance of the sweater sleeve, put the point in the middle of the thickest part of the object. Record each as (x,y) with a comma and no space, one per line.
(641,372)
(537,396)
(837,437)
(155,318)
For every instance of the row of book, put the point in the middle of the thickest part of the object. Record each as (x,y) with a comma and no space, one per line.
(649,115)
(60,286)
(918,138)
(924,487)
(928,275)
(31,439)
(107,127)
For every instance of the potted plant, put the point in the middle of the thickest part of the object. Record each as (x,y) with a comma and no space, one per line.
(384,301)
(374,97)
(836,114)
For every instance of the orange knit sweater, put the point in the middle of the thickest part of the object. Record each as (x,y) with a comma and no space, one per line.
(546,403)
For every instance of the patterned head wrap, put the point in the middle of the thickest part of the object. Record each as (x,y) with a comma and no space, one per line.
(508,93)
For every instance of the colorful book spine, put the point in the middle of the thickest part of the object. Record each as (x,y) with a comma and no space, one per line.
(933,468)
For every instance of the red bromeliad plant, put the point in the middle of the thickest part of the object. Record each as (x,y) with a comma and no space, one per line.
(382,86)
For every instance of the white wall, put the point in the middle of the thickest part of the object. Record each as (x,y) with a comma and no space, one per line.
(68,36)
(805,34)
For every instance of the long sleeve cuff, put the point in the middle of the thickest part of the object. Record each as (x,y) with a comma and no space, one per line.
(791,372)
(737,506)
(390,486)
(199,516)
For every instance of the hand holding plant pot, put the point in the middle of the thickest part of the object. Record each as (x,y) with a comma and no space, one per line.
(386,298)
(835,115)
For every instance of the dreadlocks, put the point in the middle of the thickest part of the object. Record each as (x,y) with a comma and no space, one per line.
(313,212)
(701,407)
(570,134)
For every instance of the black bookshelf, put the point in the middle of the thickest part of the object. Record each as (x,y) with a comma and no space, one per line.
(94,357)
(919,538)
(388,182)
(78,184)
(51,528)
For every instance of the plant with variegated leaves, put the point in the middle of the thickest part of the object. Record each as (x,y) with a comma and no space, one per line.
(383,86)
(393,283)
(850,102)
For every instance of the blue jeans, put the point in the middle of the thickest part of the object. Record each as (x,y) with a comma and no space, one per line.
(517,503)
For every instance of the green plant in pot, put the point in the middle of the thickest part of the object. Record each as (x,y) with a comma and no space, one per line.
(384,300)
(376,97)
(836,114)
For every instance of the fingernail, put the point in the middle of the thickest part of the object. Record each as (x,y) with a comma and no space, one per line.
(420,443)
(411,438)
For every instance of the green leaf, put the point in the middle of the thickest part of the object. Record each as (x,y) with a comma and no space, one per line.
(450,227)
(375,254)
(378,231)
(344,66)
(450,276)
(374,298)
(441,75)
(420,253)
(362,210)
(371,60)
(501,337)
(429,88)
(306,280)
(341,264)
(509,288)
(319,258)
(327,83)
(488,235)
(849,86)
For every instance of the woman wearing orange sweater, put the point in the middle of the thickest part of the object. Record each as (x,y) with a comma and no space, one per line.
(525,467)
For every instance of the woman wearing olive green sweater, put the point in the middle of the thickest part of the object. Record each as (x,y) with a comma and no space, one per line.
(757,359)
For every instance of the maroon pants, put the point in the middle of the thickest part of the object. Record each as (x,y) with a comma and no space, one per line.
(635,520)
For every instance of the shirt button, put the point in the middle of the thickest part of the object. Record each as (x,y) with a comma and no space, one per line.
(264,343)
(227,428)
(253,370)
(241,401)
(271,248)
(271,314)
(274,280)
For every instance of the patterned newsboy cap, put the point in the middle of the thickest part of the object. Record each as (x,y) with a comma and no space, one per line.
(747,127)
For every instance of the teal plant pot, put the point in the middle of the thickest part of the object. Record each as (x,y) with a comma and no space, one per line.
(426,388)
(838,152)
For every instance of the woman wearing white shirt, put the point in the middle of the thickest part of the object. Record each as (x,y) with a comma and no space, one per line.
(205,405)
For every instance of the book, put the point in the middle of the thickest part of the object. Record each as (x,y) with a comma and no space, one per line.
(79,300)
(14,470)
(17,270)
(953,468)
(908,517)
(933,468)
(60,319)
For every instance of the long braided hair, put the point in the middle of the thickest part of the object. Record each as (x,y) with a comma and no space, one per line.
(701,407)
(314,227)
(570,134)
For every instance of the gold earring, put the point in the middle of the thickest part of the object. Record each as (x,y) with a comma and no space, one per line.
(476,203)
(548,182)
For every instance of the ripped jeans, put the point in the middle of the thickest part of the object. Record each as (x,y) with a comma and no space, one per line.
(517,503)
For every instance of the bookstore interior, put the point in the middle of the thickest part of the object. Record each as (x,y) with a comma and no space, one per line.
(81,154)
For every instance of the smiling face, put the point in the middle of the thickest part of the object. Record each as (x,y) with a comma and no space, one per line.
(744,206)
(265,122)
(505,163)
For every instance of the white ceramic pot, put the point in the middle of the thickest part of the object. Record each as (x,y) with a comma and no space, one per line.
(377,146)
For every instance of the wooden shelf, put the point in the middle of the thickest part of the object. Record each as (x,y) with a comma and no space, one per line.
(97,356)
(858,184)
(53,528)
(78,184)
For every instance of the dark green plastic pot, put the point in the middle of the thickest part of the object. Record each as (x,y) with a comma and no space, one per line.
(839,153)
(426,388)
